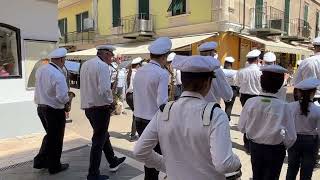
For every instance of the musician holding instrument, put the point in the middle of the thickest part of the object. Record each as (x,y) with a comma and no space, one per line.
(51,96)
(97,102)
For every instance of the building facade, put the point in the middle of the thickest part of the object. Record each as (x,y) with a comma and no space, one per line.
(283,26)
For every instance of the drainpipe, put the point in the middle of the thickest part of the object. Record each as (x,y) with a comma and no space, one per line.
(244,16)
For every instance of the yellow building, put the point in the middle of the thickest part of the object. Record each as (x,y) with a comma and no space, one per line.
(236,26)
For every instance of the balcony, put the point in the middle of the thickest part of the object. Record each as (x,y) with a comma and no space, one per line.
(137,26)
(298,30)
(74,38)
(266,21)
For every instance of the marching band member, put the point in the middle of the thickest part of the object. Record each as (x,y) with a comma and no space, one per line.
(220,87)
(150,91)
(269,58)
(268,123)
(231,77)
(303,154)
(135,65)
(194,135)
(97,102)
(248,79)
(51,95)
(177,78)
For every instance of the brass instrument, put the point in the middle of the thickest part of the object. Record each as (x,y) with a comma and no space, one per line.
(67,107)
(171,88)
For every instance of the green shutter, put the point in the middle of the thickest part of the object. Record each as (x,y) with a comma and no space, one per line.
(306,10)
(61,26)
(85,15)
(78,22)
(177,7)
(317,24)
(286,16)
(116,13)
(259,13)
(144,9)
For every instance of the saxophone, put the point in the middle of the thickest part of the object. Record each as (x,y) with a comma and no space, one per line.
(171,88)
(67,106)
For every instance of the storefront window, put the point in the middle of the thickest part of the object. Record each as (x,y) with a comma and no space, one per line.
(36,55)
(10,56)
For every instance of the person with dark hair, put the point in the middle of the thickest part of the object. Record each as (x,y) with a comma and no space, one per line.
(231,77)
(220,87)
(135,65)
(268,123)
(150,91)
(194,134)
(310,67)
(97,102)
(248,80)
(303,154)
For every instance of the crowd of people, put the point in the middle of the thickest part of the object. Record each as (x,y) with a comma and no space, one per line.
(182,130)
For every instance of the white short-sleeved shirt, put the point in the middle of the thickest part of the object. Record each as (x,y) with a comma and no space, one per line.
(248,79)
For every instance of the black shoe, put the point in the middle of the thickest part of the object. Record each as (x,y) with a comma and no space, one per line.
(40,165)
(118,162)
(40,162)
(62,167)
(97,177)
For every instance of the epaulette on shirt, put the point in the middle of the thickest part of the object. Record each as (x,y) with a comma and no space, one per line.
(206,114)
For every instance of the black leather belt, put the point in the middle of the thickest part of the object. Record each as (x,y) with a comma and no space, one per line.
(47,106)
(307,137)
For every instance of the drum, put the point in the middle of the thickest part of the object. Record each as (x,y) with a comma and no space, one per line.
(234,175)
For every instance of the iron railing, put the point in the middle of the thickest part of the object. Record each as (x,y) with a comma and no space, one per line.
(267,17)
(299,28)
(136,23)
(78,37)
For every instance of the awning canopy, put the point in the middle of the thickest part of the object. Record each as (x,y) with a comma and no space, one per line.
(140,48)
(279,47)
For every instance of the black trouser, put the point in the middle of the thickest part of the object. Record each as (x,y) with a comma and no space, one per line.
(243,100)
(266,161)
(229,104)
(129,99)
(150,173)
(303,155)
(99,118)
(53,121)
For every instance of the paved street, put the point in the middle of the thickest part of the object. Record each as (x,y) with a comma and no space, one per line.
(119,128)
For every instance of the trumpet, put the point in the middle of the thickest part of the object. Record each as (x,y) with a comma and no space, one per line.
(67,107)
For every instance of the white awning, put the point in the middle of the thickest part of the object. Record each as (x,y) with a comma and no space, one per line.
(279,47)
(140,48)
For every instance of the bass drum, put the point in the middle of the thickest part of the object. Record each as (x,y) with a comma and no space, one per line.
(234,175)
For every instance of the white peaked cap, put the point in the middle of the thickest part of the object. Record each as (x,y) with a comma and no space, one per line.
(207,46)
(254,53)
(310,83)
(195,63)
(106,47)
(229,59)
(171,57)
(316,41)
(160,46)
(299,62)
(269,57)
(58,53)
(274,68)
(137,60)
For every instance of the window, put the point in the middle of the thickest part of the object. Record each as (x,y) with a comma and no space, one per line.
(10,52)
(306,11)
(63,26)
(144,9)
(36,55)
(116,13)
(286,16)
(80,21)
(317,24)
(177,7)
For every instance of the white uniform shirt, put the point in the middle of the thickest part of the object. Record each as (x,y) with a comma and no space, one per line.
(220,88)
(309,68)
(191,151)
(306,125)
(248,79)
(268,121)
(122,77)
(230,76)
(177,74)
(133,73)
(51,87)
(95,88)
(150,90)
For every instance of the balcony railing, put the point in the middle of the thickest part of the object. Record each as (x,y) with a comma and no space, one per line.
(78,37)
(139,23)
(299,28)
(267,17)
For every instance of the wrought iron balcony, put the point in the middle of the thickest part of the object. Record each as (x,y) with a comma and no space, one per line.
(298,30)
(139,25)
(266,21)
(71,38)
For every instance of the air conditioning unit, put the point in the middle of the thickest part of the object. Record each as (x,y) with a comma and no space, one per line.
(276,24)
(88,23)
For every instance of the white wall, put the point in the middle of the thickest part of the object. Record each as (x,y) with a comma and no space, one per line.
(36,20)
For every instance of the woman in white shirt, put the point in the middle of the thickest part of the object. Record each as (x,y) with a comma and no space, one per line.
(303,154)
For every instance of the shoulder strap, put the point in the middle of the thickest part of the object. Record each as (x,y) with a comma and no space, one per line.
(166,111)
(208,113)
